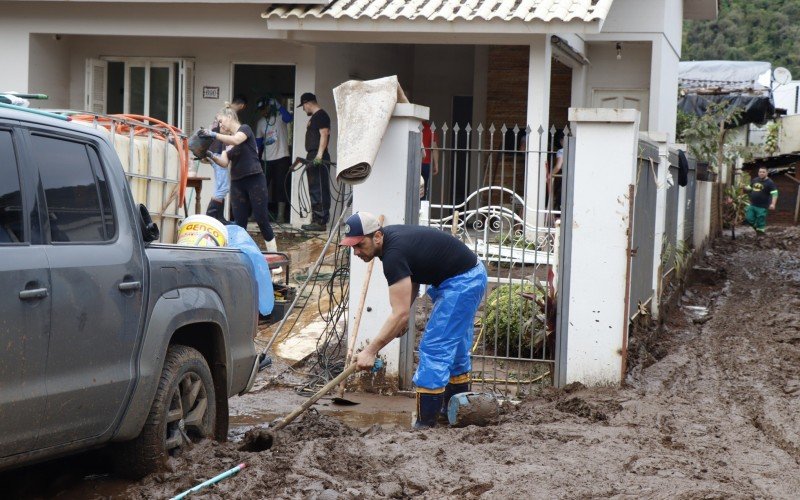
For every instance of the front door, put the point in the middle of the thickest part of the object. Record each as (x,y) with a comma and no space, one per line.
(624,98)
(96,270)
(25,308)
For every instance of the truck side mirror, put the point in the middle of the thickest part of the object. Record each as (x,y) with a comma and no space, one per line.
(149,228)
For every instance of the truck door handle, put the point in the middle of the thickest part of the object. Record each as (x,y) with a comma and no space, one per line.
(127,286)
(34,293)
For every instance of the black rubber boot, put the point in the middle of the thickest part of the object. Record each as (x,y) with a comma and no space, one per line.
(428,407)
(449,391)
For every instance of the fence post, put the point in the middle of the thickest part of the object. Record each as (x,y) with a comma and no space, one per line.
(392,189)
(597,262)
(661,214)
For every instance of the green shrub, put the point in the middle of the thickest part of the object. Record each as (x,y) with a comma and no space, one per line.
(513,324)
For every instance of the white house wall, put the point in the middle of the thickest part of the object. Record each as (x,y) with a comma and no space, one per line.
(48,72)
(61,72)
(632,72)
(634,18)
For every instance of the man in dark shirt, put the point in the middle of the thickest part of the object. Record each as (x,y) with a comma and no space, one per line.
(414,255)
(763,196)
(318,132)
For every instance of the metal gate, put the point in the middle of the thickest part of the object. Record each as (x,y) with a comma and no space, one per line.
(498,190)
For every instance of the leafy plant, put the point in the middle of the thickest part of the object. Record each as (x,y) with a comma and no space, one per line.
(736,201)
(677,254)
(515,324)
(706,136)
(771,141)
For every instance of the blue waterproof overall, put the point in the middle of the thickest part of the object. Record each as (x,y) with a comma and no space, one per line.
(445,347)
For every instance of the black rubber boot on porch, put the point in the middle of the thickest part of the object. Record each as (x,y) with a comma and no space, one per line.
(428,408)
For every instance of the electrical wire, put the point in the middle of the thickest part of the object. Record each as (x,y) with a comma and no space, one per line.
(334,286)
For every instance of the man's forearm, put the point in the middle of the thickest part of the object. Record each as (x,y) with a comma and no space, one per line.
(389,331)
(323,145)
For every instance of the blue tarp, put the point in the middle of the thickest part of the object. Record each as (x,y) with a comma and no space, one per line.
(238,238)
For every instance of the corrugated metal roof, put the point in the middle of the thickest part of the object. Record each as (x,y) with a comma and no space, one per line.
(449,10)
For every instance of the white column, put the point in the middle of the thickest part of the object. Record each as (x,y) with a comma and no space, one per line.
(305,82)
(538,114)
(14,58)
(661,220)
(702,213)
(383,193)
(597,264)
(663,87)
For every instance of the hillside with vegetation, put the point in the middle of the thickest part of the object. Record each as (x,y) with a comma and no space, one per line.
(748,30)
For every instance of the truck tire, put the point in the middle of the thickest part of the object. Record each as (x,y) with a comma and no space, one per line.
(183,407)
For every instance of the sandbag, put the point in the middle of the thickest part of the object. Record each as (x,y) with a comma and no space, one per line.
(363,110)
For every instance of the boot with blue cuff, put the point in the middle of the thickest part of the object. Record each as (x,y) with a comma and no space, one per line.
(428,407)
(456,385)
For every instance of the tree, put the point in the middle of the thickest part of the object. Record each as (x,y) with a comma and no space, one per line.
(747,30)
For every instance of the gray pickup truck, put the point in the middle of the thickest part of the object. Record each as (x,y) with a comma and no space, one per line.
(105,336)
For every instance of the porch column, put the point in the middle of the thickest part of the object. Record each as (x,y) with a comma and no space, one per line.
(14,57)
(305,81)
(538,114)
(663,82)
(595,272)
(391,190)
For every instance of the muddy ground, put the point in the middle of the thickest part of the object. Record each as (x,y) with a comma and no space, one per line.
(711,409)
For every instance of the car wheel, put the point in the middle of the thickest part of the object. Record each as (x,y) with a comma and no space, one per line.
(183,411)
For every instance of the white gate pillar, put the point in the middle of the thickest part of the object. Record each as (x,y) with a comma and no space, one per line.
(596,268)
(391,190)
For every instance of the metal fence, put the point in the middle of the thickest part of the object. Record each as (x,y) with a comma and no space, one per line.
(494,191)
(678,222)
(644,221)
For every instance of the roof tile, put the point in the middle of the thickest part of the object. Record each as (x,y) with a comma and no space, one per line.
(450,10)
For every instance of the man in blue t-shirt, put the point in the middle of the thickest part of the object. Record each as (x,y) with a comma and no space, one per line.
(763,196)
(414,255)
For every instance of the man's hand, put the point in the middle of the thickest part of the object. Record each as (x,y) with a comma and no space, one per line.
(772,206)
(212,156)
(317,162)
(365,360)
(206,134)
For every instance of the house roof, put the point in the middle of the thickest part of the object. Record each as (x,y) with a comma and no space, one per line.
(587,11)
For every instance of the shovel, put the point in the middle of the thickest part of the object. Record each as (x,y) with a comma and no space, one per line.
(339,399)
(266,437)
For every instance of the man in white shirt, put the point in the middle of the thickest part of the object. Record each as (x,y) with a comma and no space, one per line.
(272,135)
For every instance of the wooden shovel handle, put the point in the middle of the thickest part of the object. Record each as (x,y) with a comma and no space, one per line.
(313,399)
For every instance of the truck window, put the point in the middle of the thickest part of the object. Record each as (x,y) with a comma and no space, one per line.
(12,229)
(78,204)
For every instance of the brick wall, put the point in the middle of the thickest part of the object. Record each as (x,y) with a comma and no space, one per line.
(507,85)
(507,88)
(507,104)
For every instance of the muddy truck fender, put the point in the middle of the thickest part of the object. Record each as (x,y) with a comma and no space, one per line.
(202,298)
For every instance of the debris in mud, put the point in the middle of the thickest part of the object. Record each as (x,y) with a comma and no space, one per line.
(257,439)
(581,408)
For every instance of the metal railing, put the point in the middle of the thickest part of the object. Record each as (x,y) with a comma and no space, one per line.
(494,191)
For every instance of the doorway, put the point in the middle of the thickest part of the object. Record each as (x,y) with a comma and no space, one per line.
(462,116)
(260,81)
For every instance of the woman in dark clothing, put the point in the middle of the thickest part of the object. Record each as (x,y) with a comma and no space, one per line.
(248,183)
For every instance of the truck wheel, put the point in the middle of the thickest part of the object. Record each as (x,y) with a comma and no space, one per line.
(183,408)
